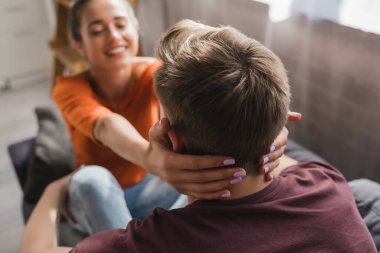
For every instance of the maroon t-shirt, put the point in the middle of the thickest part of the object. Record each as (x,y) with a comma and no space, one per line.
(308,208)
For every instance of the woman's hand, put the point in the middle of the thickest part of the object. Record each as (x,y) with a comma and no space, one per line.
(271,160)
(202,177)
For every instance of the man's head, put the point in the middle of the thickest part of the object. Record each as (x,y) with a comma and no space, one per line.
(224,92)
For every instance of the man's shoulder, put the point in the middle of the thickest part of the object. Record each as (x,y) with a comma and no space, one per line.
(313,169)
(315,183)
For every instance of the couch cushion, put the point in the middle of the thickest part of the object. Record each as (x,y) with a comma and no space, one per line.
(52,155)
(20,154)
(367,198)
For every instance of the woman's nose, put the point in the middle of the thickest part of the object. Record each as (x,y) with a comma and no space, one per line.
(114,34)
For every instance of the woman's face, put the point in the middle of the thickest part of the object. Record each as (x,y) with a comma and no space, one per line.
(109,38)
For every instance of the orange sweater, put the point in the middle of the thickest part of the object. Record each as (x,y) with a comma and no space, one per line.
(81,108)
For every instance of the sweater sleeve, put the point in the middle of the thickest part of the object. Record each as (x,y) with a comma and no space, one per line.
(78,104)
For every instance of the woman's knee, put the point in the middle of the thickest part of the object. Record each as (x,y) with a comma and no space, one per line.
(91,179)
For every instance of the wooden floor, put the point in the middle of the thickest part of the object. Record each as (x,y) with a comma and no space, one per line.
(17,122)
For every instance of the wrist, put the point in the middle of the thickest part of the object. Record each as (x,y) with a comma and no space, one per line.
(154,160)
(147,159)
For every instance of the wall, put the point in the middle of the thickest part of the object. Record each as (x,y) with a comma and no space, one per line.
(24,35)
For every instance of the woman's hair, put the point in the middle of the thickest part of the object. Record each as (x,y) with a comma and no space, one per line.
(226,93)
(76,13)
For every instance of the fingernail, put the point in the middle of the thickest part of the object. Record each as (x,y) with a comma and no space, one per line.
(272,149)
(266,170)
(266,159)
(241,173)
(160,123)
(229,162)
(226,195)
(236,180)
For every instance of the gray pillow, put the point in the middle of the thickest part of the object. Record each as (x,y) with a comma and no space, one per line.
(53,156)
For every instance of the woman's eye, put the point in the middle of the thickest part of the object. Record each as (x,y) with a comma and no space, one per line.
(121,26)
(96,32)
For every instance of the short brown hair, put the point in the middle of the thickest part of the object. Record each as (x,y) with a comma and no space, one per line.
(226,93)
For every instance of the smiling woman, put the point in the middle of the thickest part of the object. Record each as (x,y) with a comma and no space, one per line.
(105,31)
(117,87)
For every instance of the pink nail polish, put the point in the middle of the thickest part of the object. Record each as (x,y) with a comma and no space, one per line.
(229,162)
(240,174)
(266,170)
(236,180)
(272,149)
(266,159)
(226,195)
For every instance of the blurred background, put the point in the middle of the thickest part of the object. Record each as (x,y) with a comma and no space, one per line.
(331,49)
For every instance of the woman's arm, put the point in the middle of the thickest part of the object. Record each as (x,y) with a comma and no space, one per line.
(40,233)
(182,171)
(203,177)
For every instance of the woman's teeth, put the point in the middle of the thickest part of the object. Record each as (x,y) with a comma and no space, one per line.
(117,50)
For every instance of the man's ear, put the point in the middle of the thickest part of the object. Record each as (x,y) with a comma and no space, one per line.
(178,140)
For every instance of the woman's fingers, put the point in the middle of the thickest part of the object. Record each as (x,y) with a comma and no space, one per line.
(192,162)
(271,160)
(272,157)
(214,190)
(159,141)
(208,175)
(213,195)
(276,150)
(270,166)
(203,177)
(158,133)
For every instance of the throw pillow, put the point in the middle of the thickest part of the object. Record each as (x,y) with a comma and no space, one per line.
(53,156)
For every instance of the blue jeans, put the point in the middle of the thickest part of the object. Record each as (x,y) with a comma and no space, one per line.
(97,201)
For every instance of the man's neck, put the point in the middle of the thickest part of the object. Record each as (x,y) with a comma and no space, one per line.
(255,182)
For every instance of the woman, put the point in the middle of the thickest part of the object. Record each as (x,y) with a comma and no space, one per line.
(109,111)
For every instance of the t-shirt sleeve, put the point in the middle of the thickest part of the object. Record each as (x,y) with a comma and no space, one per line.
(106,241)
(148,235)
(78,105)
(119,240)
